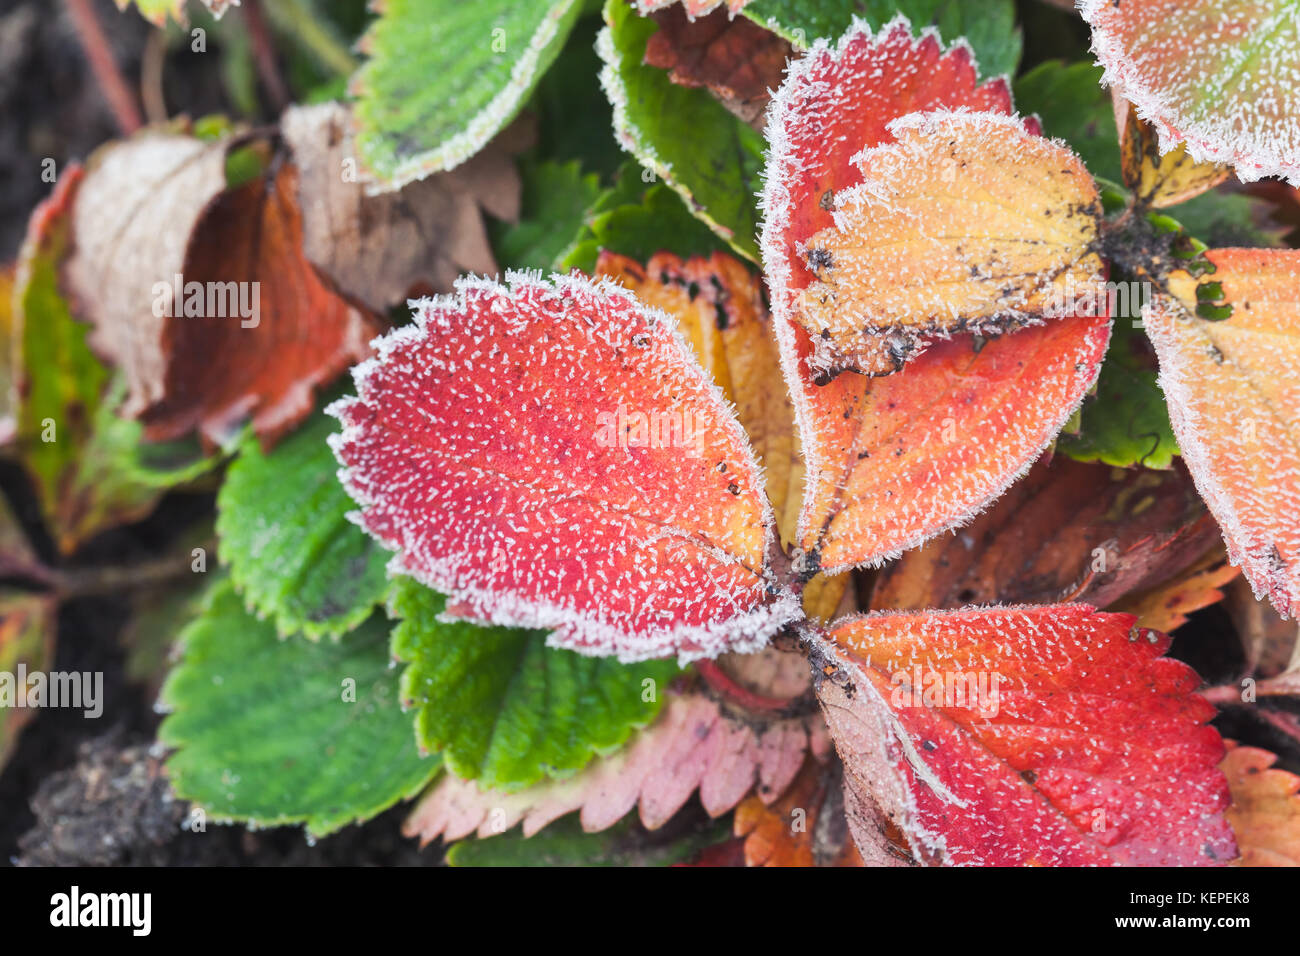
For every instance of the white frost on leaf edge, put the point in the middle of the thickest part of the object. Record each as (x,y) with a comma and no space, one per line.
(1177,384)
(1250,159)
(774,207)
(485,124)
(746,632)
(637,145)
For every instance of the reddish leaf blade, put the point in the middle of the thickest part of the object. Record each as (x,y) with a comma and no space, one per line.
(893,461)
(1218,77)
(1234,404)
(551,455)
(266,367)
(1004,399)
(1011,736)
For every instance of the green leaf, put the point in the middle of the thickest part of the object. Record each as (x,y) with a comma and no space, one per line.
(1073,106)
(90,468)
(1224,220)
(555,200)
(989,26)
(684,135)
(502,707)
(445,76)
(293,554)
(1126,422)
(264,729)
(636,221)
(563,843)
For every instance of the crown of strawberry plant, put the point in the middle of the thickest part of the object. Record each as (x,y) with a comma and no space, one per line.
(620,508)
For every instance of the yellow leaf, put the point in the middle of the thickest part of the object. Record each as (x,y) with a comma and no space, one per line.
(966,222)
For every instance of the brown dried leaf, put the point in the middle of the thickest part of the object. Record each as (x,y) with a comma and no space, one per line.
(253,330)
(378,249)
(734,57)
(1067,531)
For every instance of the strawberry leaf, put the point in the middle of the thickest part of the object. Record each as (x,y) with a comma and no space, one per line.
(694,745)
(293,555)
(682,134)
(633,220)
(87,464)
(988,27)
(444,77)
(1014,736)
(1229,380)
(968,415)
(1124,422)
(502,707)
(1234,102)
(964,222)
(490,445)
(271,731)
(1265,812)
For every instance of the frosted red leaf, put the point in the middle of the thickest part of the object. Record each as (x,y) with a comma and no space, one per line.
(551,455)
(1027,736)
(965,418)
(1221,78)
(1234,403)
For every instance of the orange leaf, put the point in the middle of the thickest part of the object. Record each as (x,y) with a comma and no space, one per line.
(785,832)
(1265,811)
(202,295)
(1011,736)
(1233,390)
(221,369)
(718,305)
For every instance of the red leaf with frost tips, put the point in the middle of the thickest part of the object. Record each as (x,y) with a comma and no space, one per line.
(551,455)
(893,461)
(1233,100)
(1027,736)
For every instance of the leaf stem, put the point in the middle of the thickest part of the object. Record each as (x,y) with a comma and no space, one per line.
(297,18)
(104,66)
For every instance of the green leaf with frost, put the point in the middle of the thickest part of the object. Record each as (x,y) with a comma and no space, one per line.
(293,554)
(270,731)
(445,76)
(1125,422)
(502,707)
(682,134)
